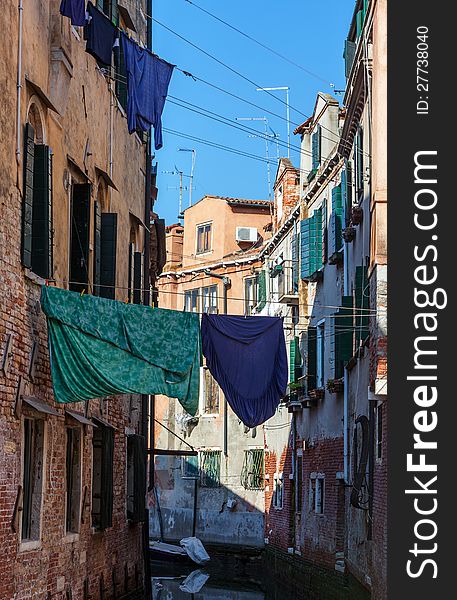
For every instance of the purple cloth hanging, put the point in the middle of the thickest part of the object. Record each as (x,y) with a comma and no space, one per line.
(247,357)
(75,10)
(148,77)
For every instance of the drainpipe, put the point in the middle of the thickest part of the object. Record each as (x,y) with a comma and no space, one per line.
(19,90)
(346,380)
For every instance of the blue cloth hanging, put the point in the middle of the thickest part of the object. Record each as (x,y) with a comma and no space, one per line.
(247,357)
(148,78)
(100,35)
(75,10)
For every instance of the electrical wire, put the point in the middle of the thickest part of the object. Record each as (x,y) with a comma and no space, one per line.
(261,44)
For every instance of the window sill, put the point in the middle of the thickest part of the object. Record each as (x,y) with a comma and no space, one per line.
(34,278)
(70,537)
(28,546)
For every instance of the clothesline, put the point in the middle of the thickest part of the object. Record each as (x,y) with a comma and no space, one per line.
(361,311)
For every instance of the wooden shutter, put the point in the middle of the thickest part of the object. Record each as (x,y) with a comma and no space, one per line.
(295,251)
(346,195)
(137,279)
(106,508)
(137,447)
(131,286)
(337,212)
(108,248)
(312,358)
(305,248)
(343,331)
(292,352)
(324,232)
(79,243)
(362,303)
(97,246)
(27,195)
(318,239)
(42,212)
(161,245)
(262,290)
(349,54)
(359,175)
(121,75)
(359,22)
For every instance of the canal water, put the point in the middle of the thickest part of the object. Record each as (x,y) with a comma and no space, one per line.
(241,577)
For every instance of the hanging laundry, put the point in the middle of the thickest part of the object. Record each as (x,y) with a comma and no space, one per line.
(100,35)
(99,347)
(75,10)
(148,78)
(247,357)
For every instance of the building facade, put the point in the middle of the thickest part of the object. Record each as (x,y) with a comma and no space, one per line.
(75,197)
(212,266)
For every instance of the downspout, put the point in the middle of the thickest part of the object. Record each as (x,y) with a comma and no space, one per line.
(346,380)
(19,90)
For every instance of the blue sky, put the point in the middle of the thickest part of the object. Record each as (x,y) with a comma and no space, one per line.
(310,32)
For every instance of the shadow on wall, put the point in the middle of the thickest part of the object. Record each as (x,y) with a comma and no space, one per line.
(221,515)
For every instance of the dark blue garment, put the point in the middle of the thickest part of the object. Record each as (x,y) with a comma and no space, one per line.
(75,10)
(247,357)
(100,34)
(148,77)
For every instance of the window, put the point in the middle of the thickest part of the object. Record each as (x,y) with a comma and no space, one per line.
(189,467)
(32,482)
(320,354)
(191,300)
(358,159)
(316,494)
(252,473)
(379,432)
(298,482)
(203,238)
(209,296)
(79,237)
(295,360)
(102,476)
(73,480)
(37,206)
(210,393)
(315,152)
(136,478)
(210,468)
(278,491)
(250,294)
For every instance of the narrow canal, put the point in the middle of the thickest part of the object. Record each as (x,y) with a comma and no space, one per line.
(255,577)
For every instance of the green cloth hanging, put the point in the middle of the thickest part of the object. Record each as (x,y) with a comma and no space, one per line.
(100,347)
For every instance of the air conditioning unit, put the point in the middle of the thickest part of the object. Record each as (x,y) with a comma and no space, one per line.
(246,234)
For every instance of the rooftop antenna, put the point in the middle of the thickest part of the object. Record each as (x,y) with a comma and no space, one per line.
(285,89)
(267,140)
(194,155)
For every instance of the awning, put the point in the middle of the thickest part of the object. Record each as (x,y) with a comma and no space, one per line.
(124,12)
(80,418)
(139,220)
(104,175)
(102,422)
(40,406)
(75,165)
(41,95)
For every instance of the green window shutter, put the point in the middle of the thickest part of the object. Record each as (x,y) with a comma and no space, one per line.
(27,202)
(262,285)
(42,212)
(318,238)
(316,148)
(305,248)
(359,22)
(106,508)
(324,231)
(312,358)
(312,245)
(108,255)
(362,301)
(337,212)
(292,353)
(348,55)
(121,75)
(359,174)
(346,194)
(344,335)
(294,254)
(97,246)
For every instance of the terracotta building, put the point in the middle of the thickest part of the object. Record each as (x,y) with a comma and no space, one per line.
(75,197)
(212,266)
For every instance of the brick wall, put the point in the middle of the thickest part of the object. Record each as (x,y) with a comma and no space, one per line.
(380,517)
(279,521)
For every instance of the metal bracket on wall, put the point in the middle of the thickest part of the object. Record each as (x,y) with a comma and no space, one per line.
(19,396)
(33,357)
(6,359)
